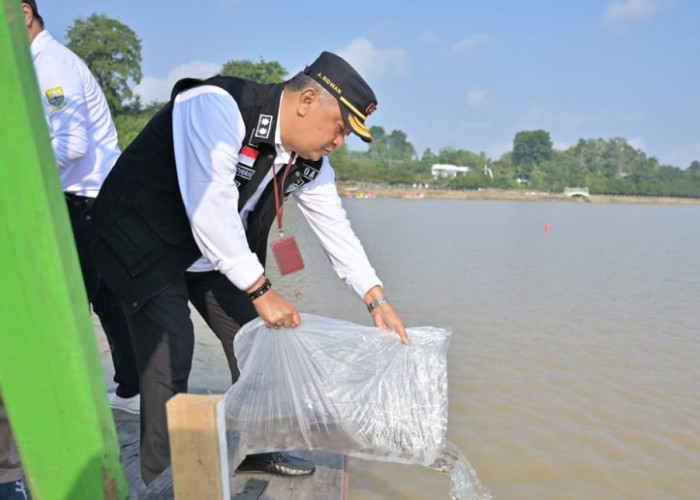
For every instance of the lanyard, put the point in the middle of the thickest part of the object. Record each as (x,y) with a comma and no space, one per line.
(280,207)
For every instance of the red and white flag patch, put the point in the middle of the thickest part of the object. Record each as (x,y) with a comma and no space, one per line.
(247,156)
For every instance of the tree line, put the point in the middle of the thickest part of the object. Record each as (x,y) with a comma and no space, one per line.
(612,166)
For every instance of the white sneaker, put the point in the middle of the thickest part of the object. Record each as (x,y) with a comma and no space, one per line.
(130,405)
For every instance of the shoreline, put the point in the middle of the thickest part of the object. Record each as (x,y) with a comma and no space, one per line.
(349,190)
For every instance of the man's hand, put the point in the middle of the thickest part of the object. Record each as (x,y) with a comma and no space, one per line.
(384,315)
(274,309)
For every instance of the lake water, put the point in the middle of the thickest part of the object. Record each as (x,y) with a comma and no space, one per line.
(574,366)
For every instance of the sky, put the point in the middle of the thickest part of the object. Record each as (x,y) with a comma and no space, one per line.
(451,74)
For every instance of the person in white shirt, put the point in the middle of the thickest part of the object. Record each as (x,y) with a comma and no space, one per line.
(185,214)
(84,142)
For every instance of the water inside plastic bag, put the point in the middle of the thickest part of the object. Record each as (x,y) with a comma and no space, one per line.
(341,387)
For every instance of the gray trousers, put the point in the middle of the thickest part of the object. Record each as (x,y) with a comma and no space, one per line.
(163,341)
(10,465)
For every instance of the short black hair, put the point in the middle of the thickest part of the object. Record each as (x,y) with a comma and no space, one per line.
(35,11)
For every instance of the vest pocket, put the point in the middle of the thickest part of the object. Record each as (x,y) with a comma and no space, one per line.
(138,245)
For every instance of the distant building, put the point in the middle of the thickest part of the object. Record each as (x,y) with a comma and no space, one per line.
(441,170)
(577,192)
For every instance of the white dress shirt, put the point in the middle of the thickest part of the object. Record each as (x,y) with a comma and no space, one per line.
(208,133)
(83,136)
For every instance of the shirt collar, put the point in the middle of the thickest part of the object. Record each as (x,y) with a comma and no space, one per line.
(40,41)
(282,153)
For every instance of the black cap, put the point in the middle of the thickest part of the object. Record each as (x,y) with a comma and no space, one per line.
(357,100)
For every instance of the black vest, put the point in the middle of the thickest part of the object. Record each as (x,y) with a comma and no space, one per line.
(143,239)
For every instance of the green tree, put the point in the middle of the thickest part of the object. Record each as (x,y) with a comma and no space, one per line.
(429,158)
(399,147)
(129,125)
(133,119)
(379,146)
(530,149)
(463,158)
(112,51)
(261,72)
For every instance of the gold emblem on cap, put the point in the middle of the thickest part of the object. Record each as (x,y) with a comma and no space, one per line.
(359,127)
(352,108)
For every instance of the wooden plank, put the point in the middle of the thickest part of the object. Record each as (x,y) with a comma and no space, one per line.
(198,450)
(52,382)
(250,489)
(330,481)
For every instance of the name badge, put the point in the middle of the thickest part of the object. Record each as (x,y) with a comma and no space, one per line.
(287,255)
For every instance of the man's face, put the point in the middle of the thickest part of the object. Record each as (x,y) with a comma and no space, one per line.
(324,129)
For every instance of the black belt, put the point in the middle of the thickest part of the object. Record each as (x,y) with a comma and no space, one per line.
(76,198)
(73,197)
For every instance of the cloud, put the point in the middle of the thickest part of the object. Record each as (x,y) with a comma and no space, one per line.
(478,98)
(370,61)
(619,15)
(158,89)
(428,37)
(468,45)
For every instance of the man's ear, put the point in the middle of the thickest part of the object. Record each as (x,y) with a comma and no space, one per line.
(28,15)
(306,98)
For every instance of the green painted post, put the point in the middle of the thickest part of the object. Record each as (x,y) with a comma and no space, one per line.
(50,372)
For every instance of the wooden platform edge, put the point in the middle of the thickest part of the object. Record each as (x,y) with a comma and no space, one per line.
(329,482)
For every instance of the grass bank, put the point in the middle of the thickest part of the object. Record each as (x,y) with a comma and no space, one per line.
(384,191)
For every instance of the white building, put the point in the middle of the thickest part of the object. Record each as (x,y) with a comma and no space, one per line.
(441,170)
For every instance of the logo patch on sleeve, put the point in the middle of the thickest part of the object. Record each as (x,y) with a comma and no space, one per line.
(244,167)
(309,173)
(56,98)
(247,156)
(264,124)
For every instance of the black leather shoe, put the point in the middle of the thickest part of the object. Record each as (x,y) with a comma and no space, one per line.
(277,463)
